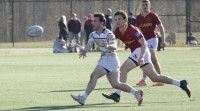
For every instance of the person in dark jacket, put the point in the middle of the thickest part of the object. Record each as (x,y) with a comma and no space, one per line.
(192,40)
(63,28)
(74,27)
(88,28)
(131,18)
(108,17)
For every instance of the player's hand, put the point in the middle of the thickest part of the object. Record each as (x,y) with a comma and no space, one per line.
(83,54)
(141,62)
(105,43)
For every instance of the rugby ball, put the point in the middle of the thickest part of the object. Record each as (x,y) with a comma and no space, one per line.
(34,31)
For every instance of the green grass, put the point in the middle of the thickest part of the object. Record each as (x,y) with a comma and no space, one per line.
(31,81)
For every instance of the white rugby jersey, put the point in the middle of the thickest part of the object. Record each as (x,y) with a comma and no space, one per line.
(98,39)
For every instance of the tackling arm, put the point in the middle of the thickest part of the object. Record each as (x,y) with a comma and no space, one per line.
(87,48)
(162,32)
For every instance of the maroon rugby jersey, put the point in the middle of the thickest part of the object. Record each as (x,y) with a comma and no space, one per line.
(148,24)
(130,37)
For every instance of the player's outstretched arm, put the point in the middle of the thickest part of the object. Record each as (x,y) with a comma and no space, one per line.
(87,48)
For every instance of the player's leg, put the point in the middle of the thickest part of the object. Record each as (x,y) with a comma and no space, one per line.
(153,49)
(77,37)
(96,74)
(128,65)
(114,81)
(156,64)
(155,77)
(71,37)
(152,46)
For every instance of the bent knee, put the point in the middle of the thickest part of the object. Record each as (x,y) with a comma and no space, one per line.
(115,86)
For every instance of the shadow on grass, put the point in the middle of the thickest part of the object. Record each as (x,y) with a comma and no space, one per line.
(75,90)
(49,108)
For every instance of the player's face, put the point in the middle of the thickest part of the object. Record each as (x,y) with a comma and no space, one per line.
(119,21)
(146,6)
(96,24)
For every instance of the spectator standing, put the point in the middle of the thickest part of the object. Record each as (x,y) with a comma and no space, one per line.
(108,17)
(83,34)
(88,28)
(131,18)
(63,28)
(74,27)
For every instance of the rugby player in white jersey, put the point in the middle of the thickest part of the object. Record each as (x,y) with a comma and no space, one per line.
(108,64)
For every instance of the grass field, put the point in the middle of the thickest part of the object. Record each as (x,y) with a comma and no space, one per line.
(38,80)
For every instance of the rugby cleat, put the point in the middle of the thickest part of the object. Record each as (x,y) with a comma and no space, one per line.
(141,83)
(79,99)
(139,97)
(114,96)
(185,88)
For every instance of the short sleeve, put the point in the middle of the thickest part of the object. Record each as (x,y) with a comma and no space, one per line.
(111,38)
(138,34)
(91,38)
(157,19)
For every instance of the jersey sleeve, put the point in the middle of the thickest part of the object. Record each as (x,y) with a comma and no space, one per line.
(111,38)
(138,34)
(91,38)
(157,19)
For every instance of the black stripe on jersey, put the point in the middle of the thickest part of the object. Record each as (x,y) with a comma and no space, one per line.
(99,38)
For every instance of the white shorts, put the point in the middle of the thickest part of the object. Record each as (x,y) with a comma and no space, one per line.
(110,63)
(136,54)
(153,44)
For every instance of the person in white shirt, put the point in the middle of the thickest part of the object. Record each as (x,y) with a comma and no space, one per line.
(59,45)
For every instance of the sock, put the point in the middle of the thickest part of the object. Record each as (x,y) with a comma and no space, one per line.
(144,77)
(176,82)
(85,95)
(133,91)
(119,92)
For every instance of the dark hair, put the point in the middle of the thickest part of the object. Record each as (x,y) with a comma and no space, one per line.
(60,37)
(145,1)
(89,15)
(122,13)
(101,17)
